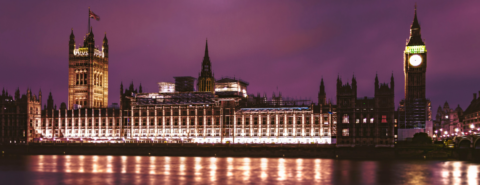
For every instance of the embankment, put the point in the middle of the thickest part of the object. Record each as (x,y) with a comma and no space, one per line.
(242,150)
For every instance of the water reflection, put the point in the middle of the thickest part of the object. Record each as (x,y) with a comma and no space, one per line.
(65,169)
(264,165)
(281,169)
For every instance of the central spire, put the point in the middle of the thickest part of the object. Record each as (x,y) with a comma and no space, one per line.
(206,49)
(415,33)
(206,80)
(206,58)
(415,23)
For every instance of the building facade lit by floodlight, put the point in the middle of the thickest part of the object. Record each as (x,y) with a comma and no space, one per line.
(231,87)
(166,87)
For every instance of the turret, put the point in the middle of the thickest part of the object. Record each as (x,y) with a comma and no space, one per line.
(50,101)
(392,83)
(63,106)
(376,82)
(105,45)
(17,94)
(140,89)
(339,83)
(40,97)
(29,95)
(354,84)
(446,106)
(90,42)
(71,44)
(322,97)
(131,88)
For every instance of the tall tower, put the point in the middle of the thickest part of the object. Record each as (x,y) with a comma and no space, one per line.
(415,63)
(414,112)
(88,73)
(322,96)
(206,79)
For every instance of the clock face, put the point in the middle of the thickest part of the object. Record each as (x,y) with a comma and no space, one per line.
(415,60)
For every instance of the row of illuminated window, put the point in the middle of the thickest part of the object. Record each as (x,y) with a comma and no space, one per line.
(79,131)
(176,121)
(346,119)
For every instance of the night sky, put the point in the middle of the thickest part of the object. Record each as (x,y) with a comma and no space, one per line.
(270,44)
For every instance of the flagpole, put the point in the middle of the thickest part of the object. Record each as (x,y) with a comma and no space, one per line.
(88,29)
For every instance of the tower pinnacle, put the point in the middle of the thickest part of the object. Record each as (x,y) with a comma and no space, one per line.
(206,48)
(415,32)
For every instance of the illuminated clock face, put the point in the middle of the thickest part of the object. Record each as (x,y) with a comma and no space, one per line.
(415,60)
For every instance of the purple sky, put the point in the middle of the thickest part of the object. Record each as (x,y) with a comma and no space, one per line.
(289,44)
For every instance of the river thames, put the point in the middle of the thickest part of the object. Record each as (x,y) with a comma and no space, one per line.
(78,169)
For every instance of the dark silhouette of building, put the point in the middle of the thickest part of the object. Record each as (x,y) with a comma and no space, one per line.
(20,117)
(365,121)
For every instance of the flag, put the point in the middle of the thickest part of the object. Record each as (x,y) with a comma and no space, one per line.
(94,16)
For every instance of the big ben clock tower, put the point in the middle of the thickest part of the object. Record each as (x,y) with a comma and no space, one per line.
(415,63)
(414,112)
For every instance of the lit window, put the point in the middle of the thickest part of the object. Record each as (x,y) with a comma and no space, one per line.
(371,120)
(384,118)
(345,118)
(345,132)
(364,120)
(357,120)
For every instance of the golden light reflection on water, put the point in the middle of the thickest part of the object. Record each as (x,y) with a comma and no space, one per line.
(198,168)
(231,170)
(230,167)
(152,165)
(246,169)
(472,175)
(299,169)
(124,164)
(281,169)
(456,172)
(213,168)
(264,166)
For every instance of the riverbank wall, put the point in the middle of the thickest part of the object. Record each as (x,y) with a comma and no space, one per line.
(242,150)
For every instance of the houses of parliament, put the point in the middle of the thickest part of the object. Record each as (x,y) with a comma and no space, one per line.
(215,110)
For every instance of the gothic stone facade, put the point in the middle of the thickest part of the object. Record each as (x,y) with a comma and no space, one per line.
(365,121)
(18,117)
(88,73)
